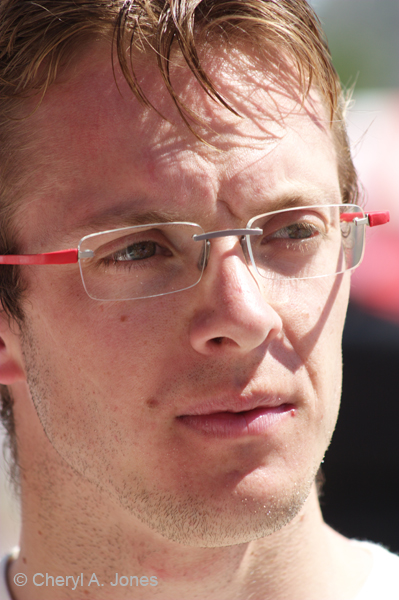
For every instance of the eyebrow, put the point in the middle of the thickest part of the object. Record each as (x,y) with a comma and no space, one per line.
(131,216)
(127,214)
(309,196)
(115,217)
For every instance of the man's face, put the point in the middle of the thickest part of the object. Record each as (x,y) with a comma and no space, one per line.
(116,384)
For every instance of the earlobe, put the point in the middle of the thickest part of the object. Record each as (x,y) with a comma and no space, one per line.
(11,369)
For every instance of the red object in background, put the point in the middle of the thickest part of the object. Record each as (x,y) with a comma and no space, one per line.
(375,284)
(374,132)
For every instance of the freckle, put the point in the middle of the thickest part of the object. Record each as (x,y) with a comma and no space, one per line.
(39,532)
(152,403)
(24,560)
(123,318)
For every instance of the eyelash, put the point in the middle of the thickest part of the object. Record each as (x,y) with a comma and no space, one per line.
(300,227)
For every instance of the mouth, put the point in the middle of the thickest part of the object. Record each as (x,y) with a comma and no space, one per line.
(231,423)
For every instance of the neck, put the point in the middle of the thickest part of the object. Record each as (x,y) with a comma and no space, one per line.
(72,530)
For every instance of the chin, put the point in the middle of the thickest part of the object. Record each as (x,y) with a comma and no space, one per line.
(209,521)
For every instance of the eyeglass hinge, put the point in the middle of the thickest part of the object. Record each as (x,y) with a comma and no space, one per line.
(85,254)
(362,221)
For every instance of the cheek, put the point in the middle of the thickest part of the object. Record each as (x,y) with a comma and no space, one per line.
(91,372)
(136,340)
(313,318)
(115,348)
(313,314)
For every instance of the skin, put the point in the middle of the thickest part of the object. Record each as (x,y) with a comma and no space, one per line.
(111,481)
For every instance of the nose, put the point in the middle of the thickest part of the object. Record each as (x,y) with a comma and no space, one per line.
(232,313)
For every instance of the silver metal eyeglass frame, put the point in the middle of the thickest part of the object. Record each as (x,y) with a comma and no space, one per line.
(75,255)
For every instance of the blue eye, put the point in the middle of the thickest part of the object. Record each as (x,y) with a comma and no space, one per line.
(137,251)
(296,231)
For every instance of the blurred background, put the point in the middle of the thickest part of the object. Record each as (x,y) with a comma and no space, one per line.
(361,468)
(362,465)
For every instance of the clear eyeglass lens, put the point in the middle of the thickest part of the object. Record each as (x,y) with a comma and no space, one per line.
(307,242)
(142,261)
(162,258)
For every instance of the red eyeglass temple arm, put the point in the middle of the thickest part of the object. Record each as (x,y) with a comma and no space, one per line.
(66,257)
(378,217)
(61,257)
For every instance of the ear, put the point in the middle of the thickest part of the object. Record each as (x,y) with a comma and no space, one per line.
(11,358)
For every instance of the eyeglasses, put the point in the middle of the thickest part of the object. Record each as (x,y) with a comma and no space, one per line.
(151,260)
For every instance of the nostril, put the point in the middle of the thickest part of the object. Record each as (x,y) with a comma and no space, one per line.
(217,340)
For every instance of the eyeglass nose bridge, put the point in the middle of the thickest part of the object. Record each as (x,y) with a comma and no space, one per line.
(211,235)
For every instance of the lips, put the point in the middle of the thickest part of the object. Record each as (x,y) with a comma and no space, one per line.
(235,404)
(236,417)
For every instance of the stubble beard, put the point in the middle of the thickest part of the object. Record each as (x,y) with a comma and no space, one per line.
(206,522)
(197,521)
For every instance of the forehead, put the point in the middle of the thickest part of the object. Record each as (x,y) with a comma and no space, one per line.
(96,147)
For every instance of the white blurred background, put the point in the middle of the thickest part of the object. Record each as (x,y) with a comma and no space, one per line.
(9,509)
